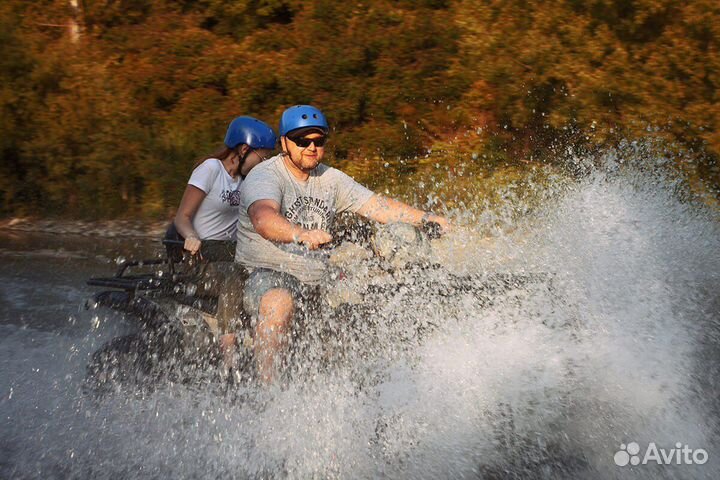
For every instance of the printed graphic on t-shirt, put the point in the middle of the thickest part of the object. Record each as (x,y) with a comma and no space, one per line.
(231,196)
(309,212)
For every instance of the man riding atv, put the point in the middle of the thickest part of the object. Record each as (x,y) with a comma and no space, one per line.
(288,205)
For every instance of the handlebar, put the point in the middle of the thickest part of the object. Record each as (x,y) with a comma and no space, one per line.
(433,230)
(430,230)
(167,241)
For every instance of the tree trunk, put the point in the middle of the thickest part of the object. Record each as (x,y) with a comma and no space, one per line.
(74,22)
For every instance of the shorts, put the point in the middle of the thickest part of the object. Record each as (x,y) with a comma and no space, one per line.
(261,281)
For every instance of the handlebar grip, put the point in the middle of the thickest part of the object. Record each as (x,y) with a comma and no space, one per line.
(432,229)
(167,241)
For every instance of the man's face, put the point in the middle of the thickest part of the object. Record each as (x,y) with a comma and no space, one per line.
(307,157)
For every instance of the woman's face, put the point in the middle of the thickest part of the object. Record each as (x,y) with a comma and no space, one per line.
(253,158)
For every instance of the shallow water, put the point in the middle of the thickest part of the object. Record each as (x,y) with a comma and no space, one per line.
(618,344)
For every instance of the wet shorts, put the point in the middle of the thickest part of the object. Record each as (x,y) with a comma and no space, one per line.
(262,280)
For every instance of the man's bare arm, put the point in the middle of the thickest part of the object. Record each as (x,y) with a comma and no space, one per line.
(271,225)
(386,210)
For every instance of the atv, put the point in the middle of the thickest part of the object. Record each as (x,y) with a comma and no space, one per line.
(177,331)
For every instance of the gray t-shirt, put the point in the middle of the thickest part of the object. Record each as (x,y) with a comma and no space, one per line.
(312,204)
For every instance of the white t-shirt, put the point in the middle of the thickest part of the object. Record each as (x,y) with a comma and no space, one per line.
(216,218)
(313,204)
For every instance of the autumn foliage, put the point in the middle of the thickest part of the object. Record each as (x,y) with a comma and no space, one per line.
(106,105)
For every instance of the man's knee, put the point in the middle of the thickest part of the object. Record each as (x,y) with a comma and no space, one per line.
(276,306)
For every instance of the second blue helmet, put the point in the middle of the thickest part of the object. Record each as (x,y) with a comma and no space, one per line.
(250,131)
(302,116)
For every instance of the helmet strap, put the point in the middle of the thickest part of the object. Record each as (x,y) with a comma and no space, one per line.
(242,157)
(283,143)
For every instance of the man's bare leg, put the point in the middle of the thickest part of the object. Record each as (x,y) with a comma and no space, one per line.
(276,310)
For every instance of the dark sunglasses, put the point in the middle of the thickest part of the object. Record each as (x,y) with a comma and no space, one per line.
(305,142)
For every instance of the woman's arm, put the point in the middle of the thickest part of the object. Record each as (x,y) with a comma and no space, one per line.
(386,210)
(191,200)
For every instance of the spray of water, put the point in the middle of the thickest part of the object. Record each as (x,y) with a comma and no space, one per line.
(602,328)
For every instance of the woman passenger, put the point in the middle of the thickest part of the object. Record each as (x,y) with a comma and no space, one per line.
(206,220)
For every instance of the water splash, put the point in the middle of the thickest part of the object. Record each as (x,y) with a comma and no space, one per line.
(617,342)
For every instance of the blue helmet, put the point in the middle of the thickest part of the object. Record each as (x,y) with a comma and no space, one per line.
(250,131)
(302,116)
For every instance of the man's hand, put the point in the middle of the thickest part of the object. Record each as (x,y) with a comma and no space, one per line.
(192,245)
(445,226)
(314,238)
